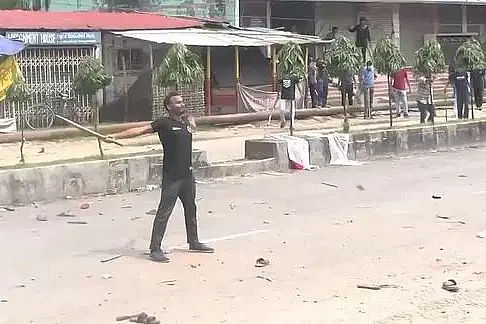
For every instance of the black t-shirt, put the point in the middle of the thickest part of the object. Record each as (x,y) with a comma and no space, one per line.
(460,81)
(287,88)
(176,139)
(362,35)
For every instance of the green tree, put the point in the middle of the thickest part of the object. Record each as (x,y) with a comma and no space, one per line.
(342,59)
(89,79)
(291,61)
(388,60)
(180,68)
(470,55)
(19,93)
(429,60)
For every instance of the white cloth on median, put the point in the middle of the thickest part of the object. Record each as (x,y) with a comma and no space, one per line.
(8,125)
(338,146)
(298,150)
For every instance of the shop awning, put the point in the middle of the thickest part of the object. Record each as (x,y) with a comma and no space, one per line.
(10,47)
(245,37)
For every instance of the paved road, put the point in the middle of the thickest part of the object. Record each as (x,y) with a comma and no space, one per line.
(321,241)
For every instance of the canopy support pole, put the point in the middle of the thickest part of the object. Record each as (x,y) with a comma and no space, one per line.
(207,81)
(237,77)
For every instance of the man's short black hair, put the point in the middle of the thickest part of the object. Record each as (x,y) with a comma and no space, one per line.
(168,97)
(334,28)
(369,63)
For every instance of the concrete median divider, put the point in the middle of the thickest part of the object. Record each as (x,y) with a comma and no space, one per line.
(22,186)
(371,144)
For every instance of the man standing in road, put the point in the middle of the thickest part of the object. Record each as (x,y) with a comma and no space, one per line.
(177,178)
(312,80)
(400,82)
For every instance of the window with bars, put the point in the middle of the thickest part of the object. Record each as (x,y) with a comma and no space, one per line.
(134,59)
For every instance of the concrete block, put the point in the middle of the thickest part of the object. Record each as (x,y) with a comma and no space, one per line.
(118,176)
(452,135)
(268,148)
(482,131)
(402,141)
(441,138)
(415,140)
(390,141)
(20,186)
(155,169)
(361,152)
(85,178)
(138,172)
(199,158)
(317,153)
(429,138)
(257,166)
(375,144)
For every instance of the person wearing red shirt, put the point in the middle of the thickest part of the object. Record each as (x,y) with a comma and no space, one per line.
(400,82)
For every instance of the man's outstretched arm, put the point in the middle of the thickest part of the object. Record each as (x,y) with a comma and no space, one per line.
(133,132)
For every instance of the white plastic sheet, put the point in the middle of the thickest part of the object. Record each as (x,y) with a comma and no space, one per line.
(298,150)
(338,146)
(8,125)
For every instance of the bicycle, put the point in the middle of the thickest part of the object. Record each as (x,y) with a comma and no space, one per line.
(43,115)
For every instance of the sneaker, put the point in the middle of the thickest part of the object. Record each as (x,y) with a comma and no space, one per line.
(158,256)
(398,115)
(200,247)
(282,124)
(405,115)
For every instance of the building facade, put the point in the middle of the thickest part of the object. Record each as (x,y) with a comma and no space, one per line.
(226,10)
(411,22)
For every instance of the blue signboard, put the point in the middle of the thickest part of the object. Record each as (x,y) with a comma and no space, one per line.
(56,38)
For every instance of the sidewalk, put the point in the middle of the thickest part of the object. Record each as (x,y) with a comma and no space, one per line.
(221,144)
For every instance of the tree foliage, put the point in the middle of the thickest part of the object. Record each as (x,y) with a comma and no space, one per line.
(429,59)
(91,76)
(470,55)
(180,68)
(19,91)
(387,56)
(343,58)
(291,61)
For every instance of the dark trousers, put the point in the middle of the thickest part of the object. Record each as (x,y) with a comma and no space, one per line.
(322,90)
(363,52)
(313,94)
(462,103)
(424,109)
(478,97)
(185,190)
(347,91)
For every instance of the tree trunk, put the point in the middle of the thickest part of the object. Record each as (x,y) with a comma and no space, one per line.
(389,101)
(96,119)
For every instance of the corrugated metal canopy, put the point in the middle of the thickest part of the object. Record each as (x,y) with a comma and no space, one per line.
(245,37)
(90,20)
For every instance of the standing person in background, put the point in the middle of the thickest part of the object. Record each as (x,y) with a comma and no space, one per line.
(400,82)
(477,82)
(322,83)
(424,99)
(312,79)
(368,77)
(333,34)
(461,85)
(363,36)
(346,82)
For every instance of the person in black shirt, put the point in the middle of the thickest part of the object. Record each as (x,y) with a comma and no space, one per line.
(477,82)
(287,94)
(177,178)
(461,85)
(362,35)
